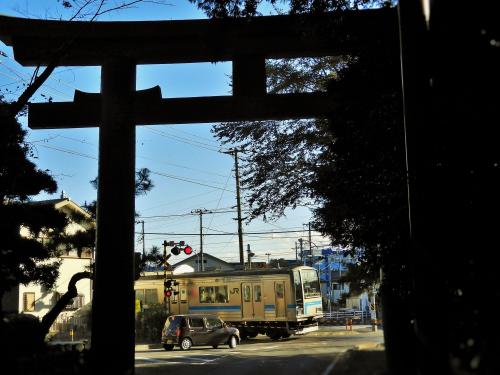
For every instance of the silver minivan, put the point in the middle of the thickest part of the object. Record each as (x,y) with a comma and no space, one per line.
(197,329)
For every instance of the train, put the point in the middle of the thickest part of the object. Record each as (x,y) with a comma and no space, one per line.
(272,301)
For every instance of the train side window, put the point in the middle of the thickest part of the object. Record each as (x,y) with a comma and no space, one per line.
(246,293)
(257,293)
(183,295)
(221,294)
(279,291)
(213,294)
(207,294)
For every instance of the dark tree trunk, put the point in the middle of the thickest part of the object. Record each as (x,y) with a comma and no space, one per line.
(397,318)
(72,292)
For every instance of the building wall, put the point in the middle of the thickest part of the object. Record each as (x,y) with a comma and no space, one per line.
(45,299)
(14,300)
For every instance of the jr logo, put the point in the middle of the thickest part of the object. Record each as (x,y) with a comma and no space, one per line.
(235,291)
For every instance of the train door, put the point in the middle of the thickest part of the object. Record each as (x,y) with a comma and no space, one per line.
(174,304)
(246,301)
(258,301)
(252,301)
(279,295)
(183,308)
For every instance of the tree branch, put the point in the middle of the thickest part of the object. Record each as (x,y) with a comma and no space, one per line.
(72,292)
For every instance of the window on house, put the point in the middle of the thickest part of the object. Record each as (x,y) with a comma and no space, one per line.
(151,296)
(147,296)
(56,296)
(76,302)
(28,301)
(139,294)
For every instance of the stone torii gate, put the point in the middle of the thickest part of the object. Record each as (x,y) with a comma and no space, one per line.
(118,47)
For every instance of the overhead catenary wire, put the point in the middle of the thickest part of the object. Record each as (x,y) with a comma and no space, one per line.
(218,234)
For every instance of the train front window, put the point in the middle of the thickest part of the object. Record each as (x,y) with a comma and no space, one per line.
(311,283)
(299,298)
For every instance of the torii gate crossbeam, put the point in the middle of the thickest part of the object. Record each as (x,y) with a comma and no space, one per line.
(118,47)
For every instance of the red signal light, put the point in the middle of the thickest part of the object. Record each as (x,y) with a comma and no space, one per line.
(168,293)
(188,250)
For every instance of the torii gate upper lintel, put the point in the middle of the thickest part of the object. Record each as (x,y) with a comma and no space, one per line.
(118,47)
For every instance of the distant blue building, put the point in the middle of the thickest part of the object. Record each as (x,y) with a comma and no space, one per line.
(332,264)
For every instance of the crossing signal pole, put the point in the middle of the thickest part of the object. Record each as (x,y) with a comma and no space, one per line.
(165,267)
(168,284)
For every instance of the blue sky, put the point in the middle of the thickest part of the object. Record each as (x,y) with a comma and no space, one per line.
(189,172)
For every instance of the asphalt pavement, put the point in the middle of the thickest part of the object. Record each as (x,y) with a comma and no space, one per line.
(366,358)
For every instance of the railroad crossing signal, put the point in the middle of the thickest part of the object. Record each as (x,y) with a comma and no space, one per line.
(178,247)
(168,288)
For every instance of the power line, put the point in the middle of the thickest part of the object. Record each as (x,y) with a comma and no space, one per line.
(219,234)
(187,180)
(76,153)
(186,214)
(183,140)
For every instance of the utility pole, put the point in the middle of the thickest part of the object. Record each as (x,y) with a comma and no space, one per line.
(250,255)
(310,244)
(302,252)
(200,212)
(142,238)
(296,252)
(234,152)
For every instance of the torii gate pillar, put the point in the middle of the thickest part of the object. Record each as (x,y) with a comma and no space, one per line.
(115,217)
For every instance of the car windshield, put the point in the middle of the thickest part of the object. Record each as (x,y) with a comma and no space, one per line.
(171,325)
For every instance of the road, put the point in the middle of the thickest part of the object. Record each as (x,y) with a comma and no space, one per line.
(315,353)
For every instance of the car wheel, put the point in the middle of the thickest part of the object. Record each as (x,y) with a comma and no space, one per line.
(215,346)
(186,343)
(168,347)
(233,342)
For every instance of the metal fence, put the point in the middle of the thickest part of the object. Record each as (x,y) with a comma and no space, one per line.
(342,315)
(70,328)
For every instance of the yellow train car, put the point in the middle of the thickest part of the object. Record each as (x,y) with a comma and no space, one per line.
(275,302)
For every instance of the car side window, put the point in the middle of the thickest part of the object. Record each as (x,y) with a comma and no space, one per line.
(213,323)
(196,323)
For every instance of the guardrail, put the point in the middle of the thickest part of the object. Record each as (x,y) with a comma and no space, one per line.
(342,315)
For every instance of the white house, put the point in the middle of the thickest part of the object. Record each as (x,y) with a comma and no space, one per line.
(35,299)
(210,263)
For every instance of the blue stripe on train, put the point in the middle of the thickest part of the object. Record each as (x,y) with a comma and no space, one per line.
(215,308)
(269,307)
